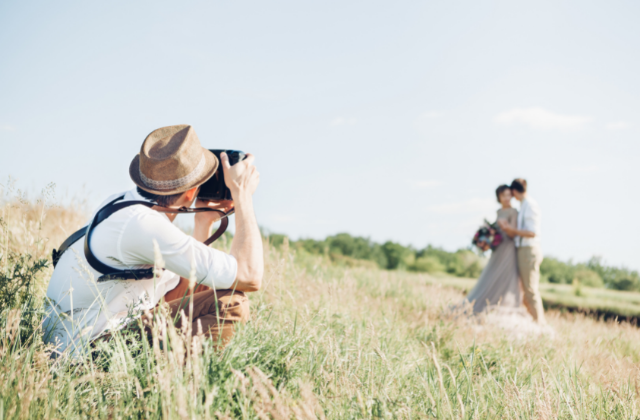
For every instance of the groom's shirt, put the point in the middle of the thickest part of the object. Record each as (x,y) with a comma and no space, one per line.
(529,219)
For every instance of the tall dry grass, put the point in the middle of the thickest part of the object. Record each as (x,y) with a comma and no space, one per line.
(324,341)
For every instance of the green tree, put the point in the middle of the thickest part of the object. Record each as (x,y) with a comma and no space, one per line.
(553,270)
(427,264)
(614,277)
(396,255)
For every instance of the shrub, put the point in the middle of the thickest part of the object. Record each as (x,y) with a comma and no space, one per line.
(588,278)
(427,264)
(623,282)
(312,246)
(553,270)
(357,247)
(18,276)
(614,277)
(468,264)
(276,239)
(396,254)
(448,259)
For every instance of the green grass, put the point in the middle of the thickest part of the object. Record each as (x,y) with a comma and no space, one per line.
(336,342)
(339,343)
(596,301)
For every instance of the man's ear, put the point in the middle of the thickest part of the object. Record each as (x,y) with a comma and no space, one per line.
(191,194)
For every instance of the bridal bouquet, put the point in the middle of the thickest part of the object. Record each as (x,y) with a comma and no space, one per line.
(487,237)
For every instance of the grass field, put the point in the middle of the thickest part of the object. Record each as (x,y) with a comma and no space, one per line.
(596,302)
(324,341)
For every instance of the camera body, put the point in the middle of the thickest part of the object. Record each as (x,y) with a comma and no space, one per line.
(215,189)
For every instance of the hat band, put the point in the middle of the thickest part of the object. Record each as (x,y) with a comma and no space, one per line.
(174,183)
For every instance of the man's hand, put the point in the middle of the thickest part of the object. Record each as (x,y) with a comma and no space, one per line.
(242,178)
(203,222)
(224,205)
(507,228)
(512,232)
(210,217)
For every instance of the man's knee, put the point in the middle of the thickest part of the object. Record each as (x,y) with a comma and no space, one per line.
(223,310)
(236,307)
(229,305)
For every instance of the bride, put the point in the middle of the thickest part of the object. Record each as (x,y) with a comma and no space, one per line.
(499,283)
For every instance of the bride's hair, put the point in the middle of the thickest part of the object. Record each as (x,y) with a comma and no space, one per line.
(500,190)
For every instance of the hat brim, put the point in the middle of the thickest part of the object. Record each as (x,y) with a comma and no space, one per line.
(211,166)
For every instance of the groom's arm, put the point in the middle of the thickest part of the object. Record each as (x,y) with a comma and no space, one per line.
(511,231)
(524,233)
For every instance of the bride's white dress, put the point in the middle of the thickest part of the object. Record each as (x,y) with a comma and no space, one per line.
(497,294)
(499,282)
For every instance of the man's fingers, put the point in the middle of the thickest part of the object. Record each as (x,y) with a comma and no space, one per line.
(225,160)
(250,158)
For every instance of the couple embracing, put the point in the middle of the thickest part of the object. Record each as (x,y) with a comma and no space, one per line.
(514,265)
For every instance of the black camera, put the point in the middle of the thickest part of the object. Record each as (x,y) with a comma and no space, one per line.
(215,189)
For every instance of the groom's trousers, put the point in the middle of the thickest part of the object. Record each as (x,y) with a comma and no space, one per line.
(529,260)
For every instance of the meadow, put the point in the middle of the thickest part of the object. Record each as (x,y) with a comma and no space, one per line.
(594,301)
(326,339)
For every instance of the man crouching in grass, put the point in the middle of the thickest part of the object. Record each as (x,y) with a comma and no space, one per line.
(168,172)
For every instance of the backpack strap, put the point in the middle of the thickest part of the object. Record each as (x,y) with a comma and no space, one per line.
(75,236)
(111,273)
(57,253)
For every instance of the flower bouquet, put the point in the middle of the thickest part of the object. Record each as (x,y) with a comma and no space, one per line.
(487,237)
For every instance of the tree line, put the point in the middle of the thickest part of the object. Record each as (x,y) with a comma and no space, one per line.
(461,263)
(389,255)
(593,273)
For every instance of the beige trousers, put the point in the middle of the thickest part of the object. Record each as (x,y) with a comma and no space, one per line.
(218,311)
(529,260)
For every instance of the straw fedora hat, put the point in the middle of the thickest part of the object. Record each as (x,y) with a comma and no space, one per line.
(172,161)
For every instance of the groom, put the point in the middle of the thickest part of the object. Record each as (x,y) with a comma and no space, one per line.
(527,238)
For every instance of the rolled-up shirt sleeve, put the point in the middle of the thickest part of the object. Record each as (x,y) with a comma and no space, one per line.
(214,268)
(179,251)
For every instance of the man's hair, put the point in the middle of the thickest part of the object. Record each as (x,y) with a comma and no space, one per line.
(502,188)
(520,185)
(162,200)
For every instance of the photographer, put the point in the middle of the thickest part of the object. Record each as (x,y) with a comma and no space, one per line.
(172,165)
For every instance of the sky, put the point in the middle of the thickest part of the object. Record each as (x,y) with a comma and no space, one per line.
(389,120)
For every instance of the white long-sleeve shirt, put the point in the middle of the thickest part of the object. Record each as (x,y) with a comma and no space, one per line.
(529,219)
(82,309)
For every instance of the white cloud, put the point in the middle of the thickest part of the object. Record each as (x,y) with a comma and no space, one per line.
(343,121)
(619,125)
(474,205)
(7,127)
(540,118)
(427,183)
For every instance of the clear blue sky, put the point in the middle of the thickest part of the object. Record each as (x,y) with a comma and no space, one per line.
(393,120)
